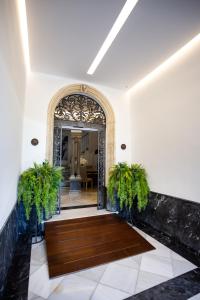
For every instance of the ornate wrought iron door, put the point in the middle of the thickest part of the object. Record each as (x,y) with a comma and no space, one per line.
(79,110)
(57,145)
(101,168)
(57,148)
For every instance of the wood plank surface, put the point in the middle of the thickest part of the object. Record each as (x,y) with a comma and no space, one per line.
(73,245)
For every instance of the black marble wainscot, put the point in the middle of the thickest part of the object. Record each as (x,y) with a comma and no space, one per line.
(18,275)
(12,231)
(175,223)
(177,218)
(182,287)
(8,239)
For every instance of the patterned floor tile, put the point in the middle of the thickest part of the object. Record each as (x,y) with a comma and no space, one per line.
(157,265)
(181,266)
(147,280)
(40,284)
(103,292)
(73,287)
(120,277)
(129,262)
(93,273)
(32,296)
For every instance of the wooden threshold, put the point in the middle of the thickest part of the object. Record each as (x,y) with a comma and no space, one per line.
(76,244)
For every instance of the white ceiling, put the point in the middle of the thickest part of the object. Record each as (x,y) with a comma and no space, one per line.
(65,36)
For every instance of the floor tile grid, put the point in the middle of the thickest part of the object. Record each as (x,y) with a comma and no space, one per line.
(158,246)
(44,258)
(53,292)
(98,282)
(106,285)
(179,264)
(109,286)
(139,265)
(124,266)
(117,262)
(39,297)
(136,283)
(120,277)
(96,286)
(154,243)
(101,284)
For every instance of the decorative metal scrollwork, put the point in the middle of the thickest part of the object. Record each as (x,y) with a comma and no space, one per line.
(80,108)
(101,167)
(57,146)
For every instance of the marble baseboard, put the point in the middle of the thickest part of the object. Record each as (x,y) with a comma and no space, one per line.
(8,239)
(14,227)
(170,242)
(177,218)
(18,274)
(180,288)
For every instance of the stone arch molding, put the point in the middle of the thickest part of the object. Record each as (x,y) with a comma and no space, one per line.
(103,102)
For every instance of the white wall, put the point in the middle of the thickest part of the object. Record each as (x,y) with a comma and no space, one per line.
(40,90)
(166,128)
(12,89)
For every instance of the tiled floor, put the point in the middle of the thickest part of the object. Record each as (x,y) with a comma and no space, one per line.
(113,281)
(85,197)
(78,213)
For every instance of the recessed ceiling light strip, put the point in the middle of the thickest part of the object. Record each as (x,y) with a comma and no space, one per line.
(121,19)
(166,64)
(21,6)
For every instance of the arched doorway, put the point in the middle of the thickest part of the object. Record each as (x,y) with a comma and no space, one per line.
(81,106)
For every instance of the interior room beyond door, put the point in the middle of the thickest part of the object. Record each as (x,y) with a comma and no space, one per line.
(82,163)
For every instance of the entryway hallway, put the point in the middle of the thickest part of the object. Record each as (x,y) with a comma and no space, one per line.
(140,100)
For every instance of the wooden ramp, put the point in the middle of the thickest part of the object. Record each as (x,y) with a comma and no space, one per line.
(77,244)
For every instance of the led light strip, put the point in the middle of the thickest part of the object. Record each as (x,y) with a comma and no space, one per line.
(121,19)
(166,64)
(21,6)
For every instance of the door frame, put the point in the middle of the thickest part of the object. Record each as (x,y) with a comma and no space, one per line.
(110,120)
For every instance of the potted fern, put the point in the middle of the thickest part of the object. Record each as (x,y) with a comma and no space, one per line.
(38,189)
(120,186)
(128,185)
(140,186)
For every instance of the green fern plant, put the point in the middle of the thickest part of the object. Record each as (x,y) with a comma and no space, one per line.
(140,186)
(120,181)
(39,186)
(130,184)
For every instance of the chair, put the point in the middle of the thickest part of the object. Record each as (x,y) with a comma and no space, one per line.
(85,180)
